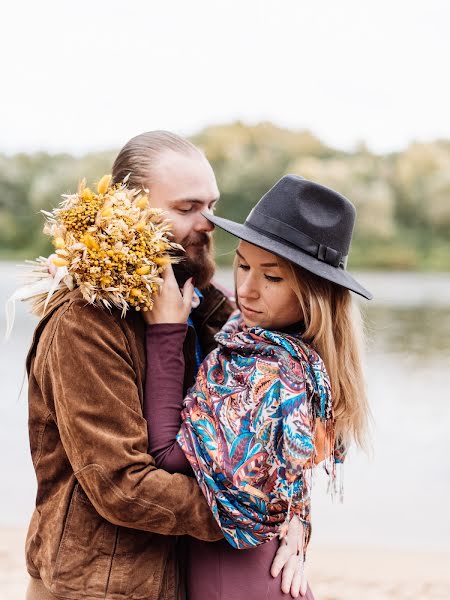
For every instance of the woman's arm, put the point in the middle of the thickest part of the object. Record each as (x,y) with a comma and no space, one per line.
(163,398)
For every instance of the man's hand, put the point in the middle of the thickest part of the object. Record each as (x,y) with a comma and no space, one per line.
(171,305)
(289,559)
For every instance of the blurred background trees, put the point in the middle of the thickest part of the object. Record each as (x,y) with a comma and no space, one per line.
(402,199)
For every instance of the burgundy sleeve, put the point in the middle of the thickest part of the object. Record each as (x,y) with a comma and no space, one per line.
(163,398)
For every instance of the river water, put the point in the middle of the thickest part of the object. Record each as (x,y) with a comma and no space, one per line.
(397,498)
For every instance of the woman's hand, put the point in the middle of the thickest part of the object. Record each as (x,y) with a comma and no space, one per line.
(171,305)
(289,559)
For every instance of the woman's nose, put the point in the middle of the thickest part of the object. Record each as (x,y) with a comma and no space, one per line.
(247,287)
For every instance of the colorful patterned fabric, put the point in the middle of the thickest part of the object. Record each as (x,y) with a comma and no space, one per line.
(248,429)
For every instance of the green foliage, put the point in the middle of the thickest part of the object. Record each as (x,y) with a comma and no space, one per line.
(30,183)
(402,199)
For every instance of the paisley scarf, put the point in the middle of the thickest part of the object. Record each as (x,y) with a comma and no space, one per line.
(248,427)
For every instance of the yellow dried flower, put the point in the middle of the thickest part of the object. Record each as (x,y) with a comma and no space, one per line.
(90,242)
(135,292)
(144,270)
(87,194)
(59,262)
(59,243)
(107,212)
(142,202)
(103,184)
(161,246)
(81,185)
(162,261)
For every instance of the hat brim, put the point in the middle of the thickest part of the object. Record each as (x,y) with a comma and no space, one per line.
(294,255)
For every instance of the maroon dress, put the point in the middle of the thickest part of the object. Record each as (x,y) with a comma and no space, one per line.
(214,570)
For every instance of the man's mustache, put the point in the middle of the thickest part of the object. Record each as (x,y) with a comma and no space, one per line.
(199,239)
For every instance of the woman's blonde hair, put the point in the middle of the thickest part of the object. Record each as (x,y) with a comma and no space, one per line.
(333,326)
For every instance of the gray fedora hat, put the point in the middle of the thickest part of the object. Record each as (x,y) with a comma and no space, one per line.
(304,222)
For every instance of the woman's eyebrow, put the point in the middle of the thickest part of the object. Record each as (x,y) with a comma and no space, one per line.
(269,264)
(273,264)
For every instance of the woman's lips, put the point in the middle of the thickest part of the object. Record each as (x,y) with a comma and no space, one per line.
(250,310)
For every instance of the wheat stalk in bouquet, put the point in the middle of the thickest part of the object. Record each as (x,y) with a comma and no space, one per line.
(110,244)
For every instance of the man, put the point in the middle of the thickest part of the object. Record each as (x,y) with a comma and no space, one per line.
(106,518)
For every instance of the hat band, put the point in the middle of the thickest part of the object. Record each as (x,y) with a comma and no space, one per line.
(285,233)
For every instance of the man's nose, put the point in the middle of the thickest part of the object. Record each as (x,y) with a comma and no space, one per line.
(203,224)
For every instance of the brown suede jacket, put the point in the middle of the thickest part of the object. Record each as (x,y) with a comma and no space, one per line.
(105,516)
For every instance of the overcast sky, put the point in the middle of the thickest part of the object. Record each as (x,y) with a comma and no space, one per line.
(89,74)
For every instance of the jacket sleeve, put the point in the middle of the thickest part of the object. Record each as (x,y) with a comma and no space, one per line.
(89,376)
(163,398)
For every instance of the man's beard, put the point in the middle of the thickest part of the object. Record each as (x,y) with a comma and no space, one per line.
(198,261)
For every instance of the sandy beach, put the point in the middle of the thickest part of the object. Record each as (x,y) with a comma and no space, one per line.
(368,574)
(334,574)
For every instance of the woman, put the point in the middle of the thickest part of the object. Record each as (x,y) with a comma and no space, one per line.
(283,390)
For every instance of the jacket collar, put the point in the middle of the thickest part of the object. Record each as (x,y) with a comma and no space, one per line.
(212,300)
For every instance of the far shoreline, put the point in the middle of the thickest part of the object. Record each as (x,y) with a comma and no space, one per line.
(389,288)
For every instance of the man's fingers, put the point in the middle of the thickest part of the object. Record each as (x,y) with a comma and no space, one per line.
(296,582)
(288,574)
(304,585)
(281,557)
(299,581)
(293,579)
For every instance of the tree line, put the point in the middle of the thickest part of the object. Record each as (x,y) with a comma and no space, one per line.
(402,198)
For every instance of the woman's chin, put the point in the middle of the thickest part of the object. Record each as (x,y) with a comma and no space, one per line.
(251,321)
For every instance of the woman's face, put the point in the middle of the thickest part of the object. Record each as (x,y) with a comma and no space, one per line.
(265,297)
